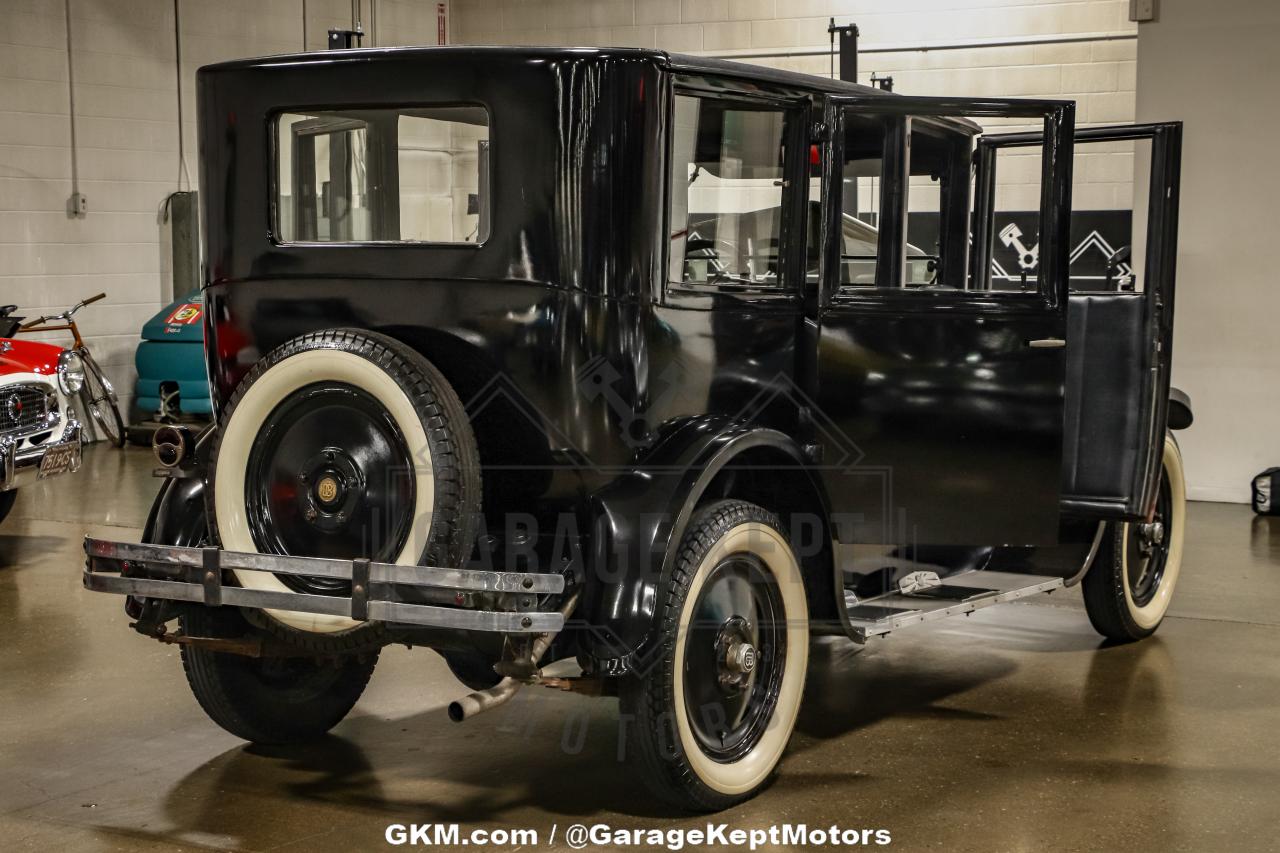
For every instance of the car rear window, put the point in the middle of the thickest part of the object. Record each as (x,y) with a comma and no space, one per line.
(406,175)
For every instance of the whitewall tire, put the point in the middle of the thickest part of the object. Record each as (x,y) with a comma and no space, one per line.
(1128,589)
(713,716)
(343,444)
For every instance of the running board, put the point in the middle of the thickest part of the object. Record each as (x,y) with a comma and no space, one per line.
(962,593)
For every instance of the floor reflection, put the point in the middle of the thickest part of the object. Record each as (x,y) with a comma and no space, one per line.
(1014,729)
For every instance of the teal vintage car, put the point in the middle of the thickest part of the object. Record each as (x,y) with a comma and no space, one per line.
(169,359)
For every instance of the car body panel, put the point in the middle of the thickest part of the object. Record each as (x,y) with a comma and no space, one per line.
(19,356)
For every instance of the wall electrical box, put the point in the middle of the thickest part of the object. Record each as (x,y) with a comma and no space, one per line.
(1142,10)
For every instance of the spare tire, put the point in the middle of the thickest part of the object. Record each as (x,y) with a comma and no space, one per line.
(342,444)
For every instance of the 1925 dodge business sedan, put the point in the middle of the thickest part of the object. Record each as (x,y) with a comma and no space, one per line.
(628,358)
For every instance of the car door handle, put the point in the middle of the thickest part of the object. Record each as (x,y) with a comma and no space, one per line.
(1047,343)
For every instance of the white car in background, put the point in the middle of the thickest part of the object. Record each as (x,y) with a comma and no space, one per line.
(39,433)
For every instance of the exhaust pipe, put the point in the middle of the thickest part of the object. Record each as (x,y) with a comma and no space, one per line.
(499,694)
(482,700)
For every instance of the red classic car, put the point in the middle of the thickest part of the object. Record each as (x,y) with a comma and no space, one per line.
(39,432)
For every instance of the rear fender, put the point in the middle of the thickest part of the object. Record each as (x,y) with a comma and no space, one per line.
(637,524)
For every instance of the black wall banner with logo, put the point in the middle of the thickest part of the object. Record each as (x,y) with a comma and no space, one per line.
(1095,236)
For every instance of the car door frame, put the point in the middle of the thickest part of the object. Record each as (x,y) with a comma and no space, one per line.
(1049,299)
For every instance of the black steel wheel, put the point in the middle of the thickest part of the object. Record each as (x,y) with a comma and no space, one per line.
(330,476)
(343,444)
(6,502)
(713,715)
(734,651)
(1128,588)
(271,700)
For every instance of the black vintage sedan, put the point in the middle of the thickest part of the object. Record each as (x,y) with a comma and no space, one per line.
(623,358)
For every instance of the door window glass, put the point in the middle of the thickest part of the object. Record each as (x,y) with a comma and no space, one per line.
(861,181)
(916,188)
(1015,220)
(939,194)
(1109,198)
(727,190)
(942,195)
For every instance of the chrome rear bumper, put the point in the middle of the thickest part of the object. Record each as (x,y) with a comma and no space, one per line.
(196,575)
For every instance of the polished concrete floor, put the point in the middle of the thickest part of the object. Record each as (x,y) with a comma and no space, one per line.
(1012,730)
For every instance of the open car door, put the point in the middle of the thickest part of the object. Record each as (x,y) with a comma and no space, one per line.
(1119,322)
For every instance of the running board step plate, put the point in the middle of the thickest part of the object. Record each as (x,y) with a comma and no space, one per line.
(957,594)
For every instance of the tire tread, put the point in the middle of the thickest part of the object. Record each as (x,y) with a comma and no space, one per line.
(258,715)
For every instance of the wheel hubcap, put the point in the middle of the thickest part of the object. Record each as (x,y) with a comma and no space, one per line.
(736,655)
(741,659)
(331,489)
(1152,534)
(327,491)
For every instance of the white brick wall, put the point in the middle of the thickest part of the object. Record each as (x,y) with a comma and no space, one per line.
(1098,75)
(126,125)
(744,26)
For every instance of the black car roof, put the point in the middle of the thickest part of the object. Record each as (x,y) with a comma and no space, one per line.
(679,62)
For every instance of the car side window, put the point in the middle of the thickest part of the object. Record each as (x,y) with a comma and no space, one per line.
(921,171)
(861,181)
(939,181)
(728,192)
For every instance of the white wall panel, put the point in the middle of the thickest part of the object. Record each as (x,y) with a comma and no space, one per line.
(1099,74)
(1215,67)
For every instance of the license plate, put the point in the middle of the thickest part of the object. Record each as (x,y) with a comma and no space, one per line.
(59,459)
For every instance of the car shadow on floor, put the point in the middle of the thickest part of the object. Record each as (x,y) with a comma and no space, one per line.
(523,759)
(25,551)
(549,756)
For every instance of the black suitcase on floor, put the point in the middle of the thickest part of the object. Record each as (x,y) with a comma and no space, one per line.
(1266,492)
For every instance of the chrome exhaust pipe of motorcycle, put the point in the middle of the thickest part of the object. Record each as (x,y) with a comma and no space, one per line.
(499,694)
